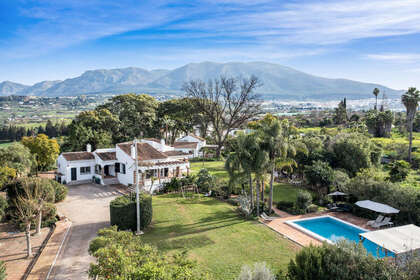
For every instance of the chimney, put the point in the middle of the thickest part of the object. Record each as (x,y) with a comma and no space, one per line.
(88,148)
(133,150)
(162,141)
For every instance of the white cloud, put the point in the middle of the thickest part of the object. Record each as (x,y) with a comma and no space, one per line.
(396,57)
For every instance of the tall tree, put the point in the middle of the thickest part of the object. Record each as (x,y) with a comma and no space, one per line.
(410,99)
(136,113)
(44,149)
(376,93)
(18,157)
(226,102)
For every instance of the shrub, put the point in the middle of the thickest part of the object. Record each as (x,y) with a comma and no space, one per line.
(49,215)
(303,200)
(330,262)
(3,207)
(205,180)
(123,212)
(172,186)
(3,274)
(60,191)
(406,199)
(312,208)
(285,205)
(399,171)
(260,271)
(122,255)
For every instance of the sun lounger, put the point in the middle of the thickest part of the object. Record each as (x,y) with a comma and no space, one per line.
(379,219)
(208,194)
(267,218)
(385,222)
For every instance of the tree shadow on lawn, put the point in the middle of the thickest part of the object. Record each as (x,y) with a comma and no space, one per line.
(186,243)
(213,221)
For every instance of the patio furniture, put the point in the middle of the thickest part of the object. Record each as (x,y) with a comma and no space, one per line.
(385,222)
(267,218)
(208,194)
(377,221)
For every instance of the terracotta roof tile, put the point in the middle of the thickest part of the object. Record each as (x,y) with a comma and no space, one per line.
(73,156)
(144,151)
(185,145)
(107,155)
(175,153)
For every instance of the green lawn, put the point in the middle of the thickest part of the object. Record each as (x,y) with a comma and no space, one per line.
(284,192)
(216,168)
(215,235)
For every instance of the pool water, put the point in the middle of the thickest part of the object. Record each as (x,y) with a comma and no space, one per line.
(335,230)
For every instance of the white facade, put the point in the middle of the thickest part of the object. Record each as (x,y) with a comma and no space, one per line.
(158,163)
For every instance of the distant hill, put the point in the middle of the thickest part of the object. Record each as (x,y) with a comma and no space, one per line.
(278,82)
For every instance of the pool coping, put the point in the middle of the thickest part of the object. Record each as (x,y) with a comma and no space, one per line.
(315,235)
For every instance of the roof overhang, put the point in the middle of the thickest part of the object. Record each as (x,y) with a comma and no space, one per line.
(398,240)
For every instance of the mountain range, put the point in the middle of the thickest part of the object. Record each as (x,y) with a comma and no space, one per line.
(278,82)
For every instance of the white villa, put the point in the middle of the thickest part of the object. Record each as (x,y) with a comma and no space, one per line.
(157,163)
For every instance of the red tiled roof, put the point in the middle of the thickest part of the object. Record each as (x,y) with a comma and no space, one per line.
(144,151)
(175,153)
(73,156)
(107,155)
(185,145)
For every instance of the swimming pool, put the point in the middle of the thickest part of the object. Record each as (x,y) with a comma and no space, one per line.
(331,229)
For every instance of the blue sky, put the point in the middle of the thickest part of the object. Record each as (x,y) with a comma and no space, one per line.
(373,41)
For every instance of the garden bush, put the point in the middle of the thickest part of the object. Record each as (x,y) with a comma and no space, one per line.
(123,212)
(60,191)
(3,274)
(3,207)
(259,271)
(285,205)
(331,262)
(205,181)
(49,215)
(312,208)
(406,199)
(399,171)
(172,186)
(303,200)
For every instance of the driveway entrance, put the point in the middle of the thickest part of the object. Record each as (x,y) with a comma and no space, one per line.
(87,206)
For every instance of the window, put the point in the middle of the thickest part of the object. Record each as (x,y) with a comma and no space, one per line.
(123,168)
(85,170)
(117,167)
(149,173)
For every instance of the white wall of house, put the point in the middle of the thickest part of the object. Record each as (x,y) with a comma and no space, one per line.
(64,167)
(123,158)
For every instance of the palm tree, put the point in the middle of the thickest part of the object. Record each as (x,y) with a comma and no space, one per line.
(273,143)
(376,93)
(410,99)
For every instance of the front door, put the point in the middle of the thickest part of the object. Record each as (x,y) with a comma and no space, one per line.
(106,170)
(74,174)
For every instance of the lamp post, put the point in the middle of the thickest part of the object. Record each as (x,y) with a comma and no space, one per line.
(138,231)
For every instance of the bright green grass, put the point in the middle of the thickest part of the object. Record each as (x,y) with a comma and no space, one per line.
(216,168)
(215,235)
(284,192)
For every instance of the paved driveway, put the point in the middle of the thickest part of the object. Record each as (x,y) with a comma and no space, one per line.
(87,206)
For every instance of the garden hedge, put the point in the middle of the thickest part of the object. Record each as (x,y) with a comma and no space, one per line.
(123,212)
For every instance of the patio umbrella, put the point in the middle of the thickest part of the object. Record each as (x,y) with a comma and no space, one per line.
(336,193)
(377,207)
